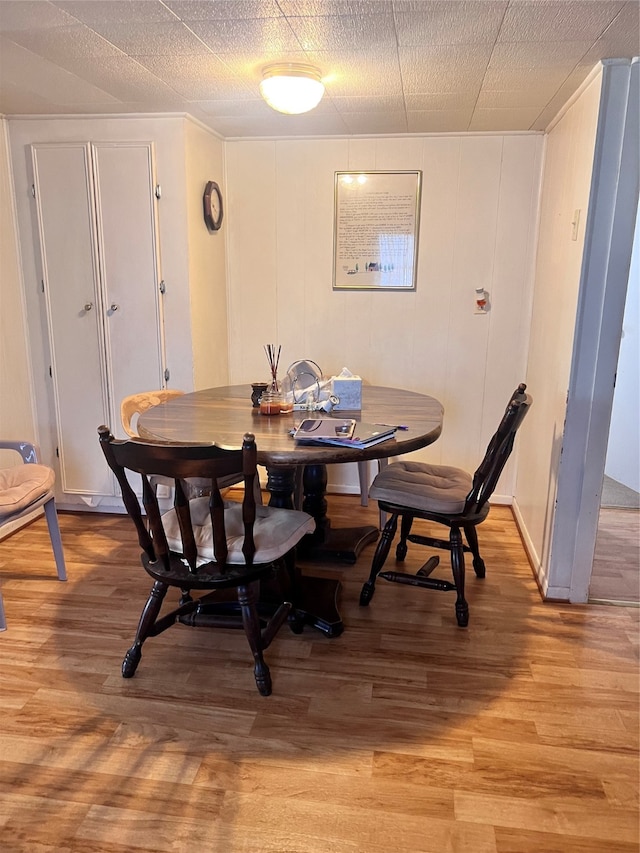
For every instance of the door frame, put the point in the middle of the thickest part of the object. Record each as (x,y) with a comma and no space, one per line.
(604,278)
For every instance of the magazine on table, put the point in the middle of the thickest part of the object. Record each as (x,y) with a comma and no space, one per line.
(343,432)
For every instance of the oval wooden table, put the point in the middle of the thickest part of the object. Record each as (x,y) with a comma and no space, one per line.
(223,415)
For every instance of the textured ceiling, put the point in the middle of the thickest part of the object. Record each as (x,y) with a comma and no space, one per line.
(389,66)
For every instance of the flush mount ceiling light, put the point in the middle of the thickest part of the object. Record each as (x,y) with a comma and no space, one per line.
(291,88)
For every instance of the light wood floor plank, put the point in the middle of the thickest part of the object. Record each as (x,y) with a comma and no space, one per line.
(404,735)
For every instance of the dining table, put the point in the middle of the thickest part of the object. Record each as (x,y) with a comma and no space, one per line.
(223,415)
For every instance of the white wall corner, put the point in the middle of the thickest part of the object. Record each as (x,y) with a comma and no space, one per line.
(529,546)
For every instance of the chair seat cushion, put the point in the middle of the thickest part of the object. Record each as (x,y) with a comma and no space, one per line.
(23,485)
(418,485)
(275,532)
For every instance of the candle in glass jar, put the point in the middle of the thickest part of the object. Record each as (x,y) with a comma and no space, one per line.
(271,404)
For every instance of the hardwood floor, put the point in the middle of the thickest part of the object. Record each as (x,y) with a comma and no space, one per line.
(405,735)
(615,575)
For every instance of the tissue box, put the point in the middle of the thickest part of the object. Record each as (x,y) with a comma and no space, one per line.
(348,389)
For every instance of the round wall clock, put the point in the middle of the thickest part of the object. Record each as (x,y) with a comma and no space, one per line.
(212,206)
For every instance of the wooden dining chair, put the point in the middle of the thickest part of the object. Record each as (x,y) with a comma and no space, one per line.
(23,489)
(207,544)
(444,495)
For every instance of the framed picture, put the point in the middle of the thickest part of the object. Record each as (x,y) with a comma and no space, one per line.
(376,225)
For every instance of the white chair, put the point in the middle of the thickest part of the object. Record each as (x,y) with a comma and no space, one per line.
(24,488)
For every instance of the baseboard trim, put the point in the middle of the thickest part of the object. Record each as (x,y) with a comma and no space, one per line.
(537,569)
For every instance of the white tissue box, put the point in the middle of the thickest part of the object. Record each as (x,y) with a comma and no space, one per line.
(348,389)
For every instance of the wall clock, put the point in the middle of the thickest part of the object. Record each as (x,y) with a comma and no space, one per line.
(212,206)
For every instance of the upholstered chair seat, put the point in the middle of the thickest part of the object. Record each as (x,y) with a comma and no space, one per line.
(23,485)
(432,488)
(275,531)
(24,488)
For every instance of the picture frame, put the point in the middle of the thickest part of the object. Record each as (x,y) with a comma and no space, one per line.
(376,229)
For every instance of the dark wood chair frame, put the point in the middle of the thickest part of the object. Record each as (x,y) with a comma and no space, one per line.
(476,509)
(178,569)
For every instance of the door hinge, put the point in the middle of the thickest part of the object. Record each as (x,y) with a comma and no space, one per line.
(158,191)
(42,284)
(167,375)
(162,287)
(50,372)
(33,190)
(58,452)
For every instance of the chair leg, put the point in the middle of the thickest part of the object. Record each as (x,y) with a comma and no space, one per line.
(363,477)
(381,554)
(405,530)
(54,535)
(147,620)
(251,622)
(295,619)
(3,621)
(457,566)
(472,538)
(298,488)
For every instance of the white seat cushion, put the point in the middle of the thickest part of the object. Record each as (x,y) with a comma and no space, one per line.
(432,488)
(275,532)
(23,485)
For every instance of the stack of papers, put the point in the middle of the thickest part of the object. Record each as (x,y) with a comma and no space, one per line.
(342,432)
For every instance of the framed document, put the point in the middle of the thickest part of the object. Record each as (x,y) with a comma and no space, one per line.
(376,225)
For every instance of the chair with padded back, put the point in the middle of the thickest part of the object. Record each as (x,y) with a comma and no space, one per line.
(24,488)
(134,405)
(207,544)
(447,496)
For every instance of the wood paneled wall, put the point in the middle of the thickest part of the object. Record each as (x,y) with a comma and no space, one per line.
(566,188)
(478,228)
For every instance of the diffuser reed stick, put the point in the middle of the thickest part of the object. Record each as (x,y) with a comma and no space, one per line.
(273,357)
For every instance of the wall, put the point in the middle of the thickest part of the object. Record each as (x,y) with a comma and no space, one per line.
(478,218)
(565,189)
(623,452)
(204,161)
(16,414)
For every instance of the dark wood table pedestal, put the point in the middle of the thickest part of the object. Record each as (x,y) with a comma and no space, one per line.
(317,599)
(326,544)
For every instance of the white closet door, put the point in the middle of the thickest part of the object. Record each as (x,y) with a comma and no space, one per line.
(64,204)
(126,211)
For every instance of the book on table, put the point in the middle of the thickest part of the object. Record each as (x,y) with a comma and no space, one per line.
(343,432)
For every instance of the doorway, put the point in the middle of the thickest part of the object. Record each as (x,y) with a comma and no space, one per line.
(615,575)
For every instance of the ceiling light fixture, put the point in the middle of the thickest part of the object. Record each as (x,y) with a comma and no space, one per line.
(291,88)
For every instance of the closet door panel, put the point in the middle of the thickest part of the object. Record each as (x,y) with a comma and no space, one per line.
(126,205)
(64,204)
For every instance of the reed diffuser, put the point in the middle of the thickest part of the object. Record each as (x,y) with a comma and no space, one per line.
(273,357)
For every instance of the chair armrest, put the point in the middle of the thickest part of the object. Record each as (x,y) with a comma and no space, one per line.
(28,451)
